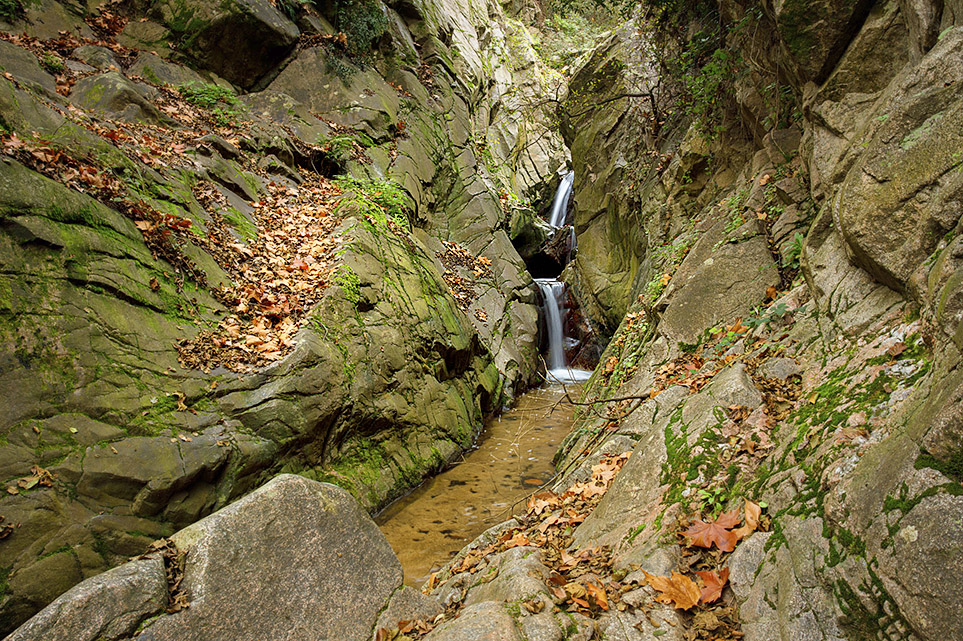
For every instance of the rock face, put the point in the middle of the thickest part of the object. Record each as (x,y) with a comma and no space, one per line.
(390,372)
(787,309)
(294,559)
(246,575)
(240,40)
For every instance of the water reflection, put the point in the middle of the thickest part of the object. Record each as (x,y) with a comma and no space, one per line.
(513,458)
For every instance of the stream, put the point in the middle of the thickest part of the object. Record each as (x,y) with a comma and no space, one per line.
(513,458)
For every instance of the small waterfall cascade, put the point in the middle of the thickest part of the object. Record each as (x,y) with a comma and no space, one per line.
(554,298)
(553,311)
(560,204)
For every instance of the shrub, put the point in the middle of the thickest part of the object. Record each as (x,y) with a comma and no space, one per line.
(10,10)
(362,21)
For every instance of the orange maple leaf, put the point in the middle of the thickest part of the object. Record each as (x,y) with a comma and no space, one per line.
(597,592)
(753,512)
(704,534)
(713,585)
(678,590)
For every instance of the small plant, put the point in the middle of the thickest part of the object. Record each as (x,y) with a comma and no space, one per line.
(735,223)
(758,320)
(339,145)
(713,500)
(222,103)
(794,251)
(10,10)
(381,200)
(52,64)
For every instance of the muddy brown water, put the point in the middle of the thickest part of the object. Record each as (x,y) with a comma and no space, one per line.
(513,458)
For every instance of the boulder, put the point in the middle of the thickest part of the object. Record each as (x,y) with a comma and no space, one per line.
(149,470)
(108,606)
(295,559)
(816,32)
(482,622)
(239,40)
(113,94)
(905,193)
(23,65)
(717,283)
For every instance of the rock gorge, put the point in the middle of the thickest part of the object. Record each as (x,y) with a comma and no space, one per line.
(192,305)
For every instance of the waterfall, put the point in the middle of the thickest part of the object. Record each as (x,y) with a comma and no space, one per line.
(553,301)
(560,204)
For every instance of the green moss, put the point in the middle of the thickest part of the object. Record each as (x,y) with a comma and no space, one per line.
(349,283)
(379,200)
(241,223)
(634,532)
(357,469)
(953,468)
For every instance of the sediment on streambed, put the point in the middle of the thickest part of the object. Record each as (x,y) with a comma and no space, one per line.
(215,273)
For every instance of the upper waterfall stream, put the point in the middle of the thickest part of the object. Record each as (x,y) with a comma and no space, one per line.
(513,458)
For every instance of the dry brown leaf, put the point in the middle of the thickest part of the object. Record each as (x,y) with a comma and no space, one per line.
(678,590)
(714,583)
(717,532)
(753,512)
(597,593)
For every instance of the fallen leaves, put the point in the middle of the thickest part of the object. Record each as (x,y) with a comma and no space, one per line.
(38,477)
(462,270)
(174,562)
(713,583)
(677,590)
(278,275)
(717,532)
(720,532)
(6,529)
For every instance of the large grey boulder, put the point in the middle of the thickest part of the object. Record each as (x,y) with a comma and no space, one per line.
(114,95)
(295,559)
(718,283)
(904,194)
(239,40)
(107,606)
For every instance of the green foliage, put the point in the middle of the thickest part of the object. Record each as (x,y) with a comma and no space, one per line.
(706,85)
(794,251)
(206,95)
(381,200)
(363,22)
(10,10)
(571,28)
(52,63)
(338,146)
(223,105)
(713,500)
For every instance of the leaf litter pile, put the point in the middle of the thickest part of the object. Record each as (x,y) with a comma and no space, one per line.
(461,268)
(585,581)
(277,277)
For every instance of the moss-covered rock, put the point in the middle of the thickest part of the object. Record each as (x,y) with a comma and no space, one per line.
(239,40)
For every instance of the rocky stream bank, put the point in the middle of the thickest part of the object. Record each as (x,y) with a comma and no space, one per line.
(770,447)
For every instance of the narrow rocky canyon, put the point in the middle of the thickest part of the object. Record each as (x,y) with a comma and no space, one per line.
(266,266)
